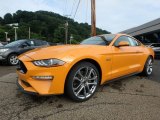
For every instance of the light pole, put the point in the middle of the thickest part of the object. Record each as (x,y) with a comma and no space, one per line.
(66,31)
(71,38)
(6,35)
(29,33)
(15,29)
(66,28)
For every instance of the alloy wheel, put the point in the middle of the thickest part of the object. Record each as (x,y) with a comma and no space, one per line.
(85,82)
(13,60)
(150,66)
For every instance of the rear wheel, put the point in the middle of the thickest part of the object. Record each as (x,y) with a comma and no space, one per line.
(13,59)
(148,68)
(82,81)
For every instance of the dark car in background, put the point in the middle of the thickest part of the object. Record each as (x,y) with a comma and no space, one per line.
(10,52)
(156,48)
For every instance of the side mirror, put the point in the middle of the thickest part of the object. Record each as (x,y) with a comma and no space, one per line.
(123,43)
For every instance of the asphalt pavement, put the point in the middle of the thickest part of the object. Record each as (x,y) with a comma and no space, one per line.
(133,98)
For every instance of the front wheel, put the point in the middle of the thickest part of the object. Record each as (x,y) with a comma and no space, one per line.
(148,68)
(13,59)
(82,81)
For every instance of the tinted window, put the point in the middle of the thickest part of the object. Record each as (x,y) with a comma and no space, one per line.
(30,43)
(109,37)
(15,43)
(38,43)
(94,41)
(44,43)
(122,38)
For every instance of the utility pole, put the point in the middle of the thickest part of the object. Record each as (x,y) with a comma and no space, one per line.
(6,35)
(29,33)
(66,31)
(93,17)
(15,28)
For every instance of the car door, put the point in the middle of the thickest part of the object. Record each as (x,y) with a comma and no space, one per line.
(136,45)
(26,46)
(125,59)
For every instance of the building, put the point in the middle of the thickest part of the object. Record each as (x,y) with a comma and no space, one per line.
(146,33)
(13,24)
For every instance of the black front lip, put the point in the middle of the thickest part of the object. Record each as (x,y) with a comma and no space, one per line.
(26,92)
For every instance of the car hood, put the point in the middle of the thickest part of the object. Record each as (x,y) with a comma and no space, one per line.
(62,51)
(4,47)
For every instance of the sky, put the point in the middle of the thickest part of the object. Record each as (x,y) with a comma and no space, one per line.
(112,15)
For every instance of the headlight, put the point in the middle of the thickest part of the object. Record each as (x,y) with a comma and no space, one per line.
(4,50)
(49,63)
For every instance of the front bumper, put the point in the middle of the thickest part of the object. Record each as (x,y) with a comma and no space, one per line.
(25,91)
(42,87)
(2,58)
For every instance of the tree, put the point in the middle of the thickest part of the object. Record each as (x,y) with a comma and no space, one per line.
(2,35)
(59,35)
(45,25)
(8,18)
(1,20)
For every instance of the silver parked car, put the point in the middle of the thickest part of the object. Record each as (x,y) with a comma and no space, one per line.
(156,48)
(1,44)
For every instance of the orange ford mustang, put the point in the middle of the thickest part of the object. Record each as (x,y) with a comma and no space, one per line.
(78,69)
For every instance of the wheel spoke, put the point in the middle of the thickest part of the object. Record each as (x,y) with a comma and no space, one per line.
(94,83)
(79,90)
(76,78)
(79,73)
(87,69)
(89,91)
(90,72)
(94,78)
(78,86)
(85,93)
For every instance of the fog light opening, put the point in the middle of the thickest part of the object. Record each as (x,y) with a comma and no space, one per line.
(43,77)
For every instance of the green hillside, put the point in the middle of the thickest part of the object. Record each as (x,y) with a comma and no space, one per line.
(44,25)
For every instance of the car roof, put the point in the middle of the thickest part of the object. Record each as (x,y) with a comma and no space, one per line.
(30,40)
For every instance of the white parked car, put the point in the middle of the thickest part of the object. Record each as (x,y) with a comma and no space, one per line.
(1,44)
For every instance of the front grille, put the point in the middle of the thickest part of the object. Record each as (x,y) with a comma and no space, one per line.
(21,67)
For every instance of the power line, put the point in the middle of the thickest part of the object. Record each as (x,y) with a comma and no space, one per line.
(74,2)
(86,12)
(77,9)
(65,7)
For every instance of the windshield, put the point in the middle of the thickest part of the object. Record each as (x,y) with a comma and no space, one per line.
(15,43)
(99,40)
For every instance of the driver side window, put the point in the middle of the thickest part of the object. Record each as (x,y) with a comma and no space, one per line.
(122,38)
(24,45)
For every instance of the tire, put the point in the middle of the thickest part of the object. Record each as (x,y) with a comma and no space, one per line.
(148,68)
(12,59)
(82,81)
